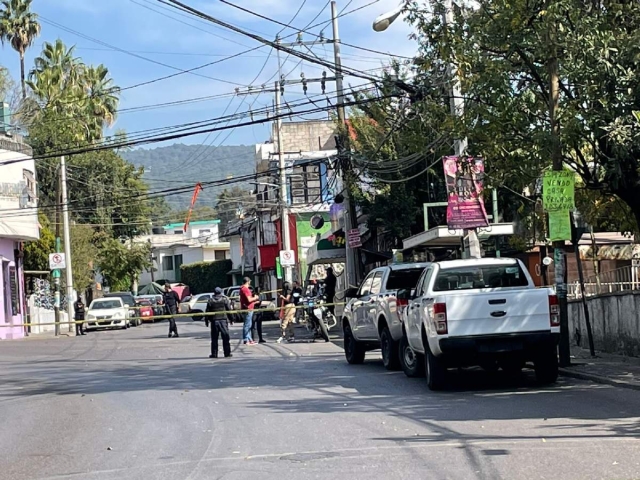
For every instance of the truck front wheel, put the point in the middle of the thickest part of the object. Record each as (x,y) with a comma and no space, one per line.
(546,366)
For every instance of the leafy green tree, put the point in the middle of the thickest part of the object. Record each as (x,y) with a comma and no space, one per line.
(19,26)
(36,254)
(502,49)
(122,263)
(84,253)
(397,145)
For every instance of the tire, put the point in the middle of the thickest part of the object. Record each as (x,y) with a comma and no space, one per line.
(412,363)
(324,332)
(390,356)
(197,318)
(435,371)
(546,366)
(353,350)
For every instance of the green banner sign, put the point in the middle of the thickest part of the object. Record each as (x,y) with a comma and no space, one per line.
(559,225)
(558,190)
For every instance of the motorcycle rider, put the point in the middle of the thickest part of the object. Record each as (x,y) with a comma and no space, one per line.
(220,305)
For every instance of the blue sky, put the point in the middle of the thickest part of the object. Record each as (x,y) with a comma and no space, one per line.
(152,30)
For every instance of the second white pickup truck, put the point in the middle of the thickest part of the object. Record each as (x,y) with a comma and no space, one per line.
(483,312)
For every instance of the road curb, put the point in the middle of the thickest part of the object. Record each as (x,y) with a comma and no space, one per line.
(565,372)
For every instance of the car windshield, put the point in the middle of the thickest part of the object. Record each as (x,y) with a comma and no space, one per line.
(480,276)
(126,299)
(105,304)
(406,278)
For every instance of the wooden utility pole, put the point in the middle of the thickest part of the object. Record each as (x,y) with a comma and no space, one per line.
(556,157)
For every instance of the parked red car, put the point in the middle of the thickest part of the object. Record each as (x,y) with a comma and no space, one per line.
(145,310)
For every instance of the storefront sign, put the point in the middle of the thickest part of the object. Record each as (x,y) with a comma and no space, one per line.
(558,190)
(354,239)
(464,178)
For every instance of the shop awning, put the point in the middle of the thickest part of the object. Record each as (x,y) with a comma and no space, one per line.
(325,252)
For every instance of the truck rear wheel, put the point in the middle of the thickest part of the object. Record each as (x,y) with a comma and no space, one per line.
(389,348)
(353,350)
(412,363)
(435,371)
(546,366)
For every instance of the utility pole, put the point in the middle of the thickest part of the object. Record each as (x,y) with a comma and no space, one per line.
(284,216)
(556,157)
(470,236)
(67,242)
(56,272)
(353,264)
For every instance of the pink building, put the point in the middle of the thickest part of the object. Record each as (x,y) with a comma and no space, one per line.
(18,224)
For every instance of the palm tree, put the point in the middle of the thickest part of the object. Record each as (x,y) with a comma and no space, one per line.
(102,98)
(56,77)
(19,26)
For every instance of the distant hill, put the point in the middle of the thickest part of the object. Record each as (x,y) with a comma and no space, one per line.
(178,165)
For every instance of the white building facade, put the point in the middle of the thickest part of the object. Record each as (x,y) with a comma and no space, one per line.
(172,247)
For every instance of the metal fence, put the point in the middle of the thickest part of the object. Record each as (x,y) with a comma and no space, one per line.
(625,279)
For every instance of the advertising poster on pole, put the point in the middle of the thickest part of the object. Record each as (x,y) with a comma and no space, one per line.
(464,177)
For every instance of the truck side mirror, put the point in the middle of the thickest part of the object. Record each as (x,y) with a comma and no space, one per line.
(351,293)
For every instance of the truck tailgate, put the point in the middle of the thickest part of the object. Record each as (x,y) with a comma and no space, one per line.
(497,312)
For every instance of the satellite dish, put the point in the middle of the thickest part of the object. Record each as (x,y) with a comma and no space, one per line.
(316,222)
(547,261)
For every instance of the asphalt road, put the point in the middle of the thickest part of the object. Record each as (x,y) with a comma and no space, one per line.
(136,405)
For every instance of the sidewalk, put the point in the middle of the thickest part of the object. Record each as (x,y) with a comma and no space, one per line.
(605,368)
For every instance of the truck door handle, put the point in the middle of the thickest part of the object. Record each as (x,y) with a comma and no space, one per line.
(498,314)
(501,301)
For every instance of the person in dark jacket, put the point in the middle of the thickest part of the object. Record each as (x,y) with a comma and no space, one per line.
(78,308)
(330,282)
(171,302)
(220,305)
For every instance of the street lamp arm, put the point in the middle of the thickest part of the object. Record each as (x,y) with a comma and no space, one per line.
(381,23)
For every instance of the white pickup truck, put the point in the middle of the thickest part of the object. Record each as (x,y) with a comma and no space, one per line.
(370,319)
(484,312)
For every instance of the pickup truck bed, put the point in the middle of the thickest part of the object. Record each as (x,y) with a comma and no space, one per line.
(483,312)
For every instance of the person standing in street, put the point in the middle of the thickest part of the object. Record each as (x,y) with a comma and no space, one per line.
(297,299)
(171,303)
(330,289)
(256,323)
(220,305)
(287,315)
(78,309)
(247,303)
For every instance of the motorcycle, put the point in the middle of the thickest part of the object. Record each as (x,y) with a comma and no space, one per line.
(318,319)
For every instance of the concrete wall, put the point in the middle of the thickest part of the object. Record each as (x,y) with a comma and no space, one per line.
(307,136)
(615,321)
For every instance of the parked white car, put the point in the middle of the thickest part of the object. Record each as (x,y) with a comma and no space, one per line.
(196,304)
(107,313)
(484,312)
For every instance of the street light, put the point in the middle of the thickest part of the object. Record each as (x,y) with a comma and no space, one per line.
(381,23)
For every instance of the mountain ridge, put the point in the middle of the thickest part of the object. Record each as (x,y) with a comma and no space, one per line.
(179,164)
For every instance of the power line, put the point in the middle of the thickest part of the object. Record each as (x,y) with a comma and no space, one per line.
(174,136)
(135,55)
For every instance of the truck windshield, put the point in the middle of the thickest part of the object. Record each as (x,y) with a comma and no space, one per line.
(406,278)
(480,276)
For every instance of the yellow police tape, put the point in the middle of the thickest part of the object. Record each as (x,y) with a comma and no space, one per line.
(162,317)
